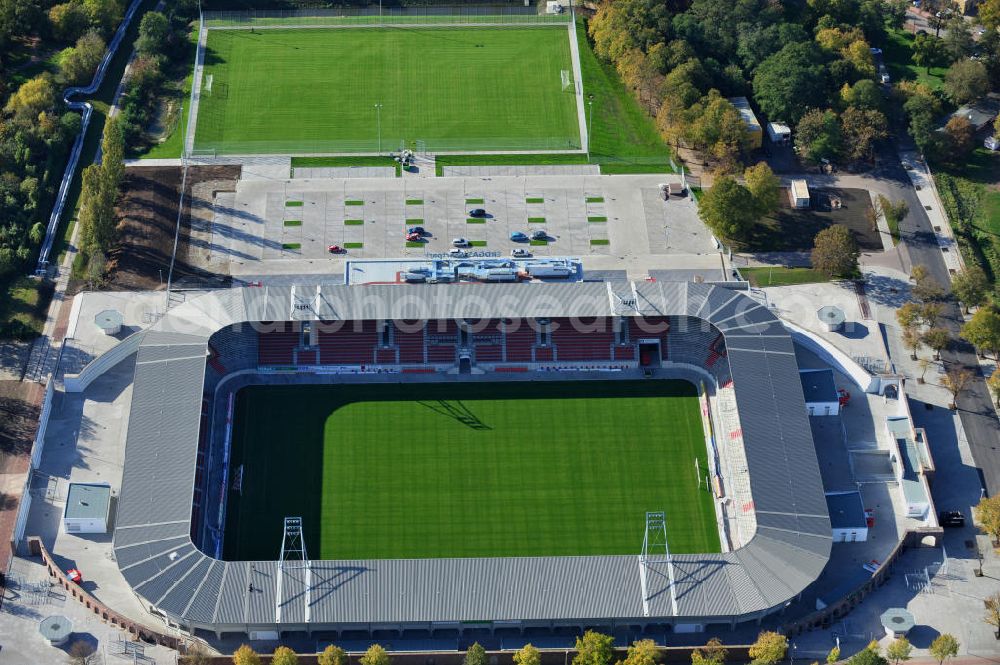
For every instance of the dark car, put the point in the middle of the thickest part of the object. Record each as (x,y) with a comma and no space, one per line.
(417,229)
(477,212)
(539,235)
(951,518)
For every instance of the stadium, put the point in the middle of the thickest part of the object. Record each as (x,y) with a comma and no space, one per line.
(509,457)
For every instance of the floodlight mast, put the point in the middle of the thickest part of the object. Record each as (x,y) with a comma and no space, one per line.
(654,539)
(293,557)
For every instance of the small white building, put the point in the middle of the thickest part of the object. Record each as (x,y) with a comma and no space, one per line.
(779,133)
(820,390)
(798,194)
(88,506)
(847,517)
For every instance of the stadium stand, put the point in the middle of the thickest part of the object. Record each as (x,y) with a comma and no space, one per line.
(573,345)
(518,341)
(350,345)
(411,343)
(277,347)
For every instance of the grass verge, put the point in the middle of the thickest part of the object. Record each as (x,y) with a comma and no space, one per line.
(344,162)
(782,276)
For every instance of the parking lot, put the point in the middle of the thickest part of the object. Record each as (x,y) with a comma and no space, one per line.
(289,225)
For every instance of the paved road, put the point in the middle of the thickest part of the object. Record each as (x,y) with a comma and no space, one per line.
(919,247)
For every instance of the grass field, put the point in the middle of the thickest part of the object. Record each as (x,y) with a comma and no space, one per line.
(782,276)
(315,90)
(445,470)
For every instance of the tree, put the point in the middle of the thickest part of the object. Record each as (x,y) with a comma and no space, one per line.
(769,648)
(989,14)
(833,656)
(375,655)
(983,330)
(154,34)
(909,315)
(931,312)
(993,613)
(476,655)
(641,652)
(966,81)
(987,513)
(928,51)
(926,287)
(68,21)
(993,383)
(791,81)
(594,649)
(113,153)
(899,650)
(196,654)
(34,96)
(835,252)
(245,656)
(867,656)
(81,652)
(728,209)
(959,42)
(924,365)
(764,187)
(912,341)
(713,653)
(78,64)
(955,381)
(819,136)
(943,647)
(284,656)
(937,339)
(865,94)
(971,286)
(527,655)
(960,139)
(97,218)
(332,655)
(104,14)
(860,129)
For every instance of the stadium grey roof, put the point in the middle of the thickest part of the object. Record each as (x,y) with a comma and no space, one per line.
(157,558)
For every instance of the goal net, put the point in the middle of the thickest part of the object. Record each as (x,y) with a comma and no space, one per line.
(237,484)
(567,82)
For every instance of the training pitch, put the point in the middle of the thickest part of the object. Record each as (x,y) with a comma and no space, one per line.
(316,90)
(445,470)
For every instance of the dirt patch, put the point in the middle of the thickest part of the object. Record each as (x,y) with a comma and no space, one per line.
(147,221)
(791,230)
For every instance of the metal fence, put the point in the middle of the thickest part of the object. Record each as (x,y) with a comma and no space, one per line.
(377,16)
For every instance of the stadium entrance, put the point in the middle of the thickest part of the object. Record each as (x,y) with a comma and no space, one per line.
(649,353)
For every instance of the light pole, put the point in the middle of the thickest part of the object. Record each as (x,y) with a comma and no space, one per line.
(378,125)
(590,121)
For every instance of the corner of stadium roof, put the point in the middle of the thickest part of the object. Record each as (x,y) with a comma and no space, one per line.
(158,559)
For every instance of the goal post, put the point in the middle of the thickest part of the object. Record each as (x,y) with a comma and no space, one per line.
(567,80)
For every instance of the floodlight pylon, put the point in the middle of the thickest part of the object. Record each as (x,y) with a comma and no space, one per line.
(293,557)
(656,552)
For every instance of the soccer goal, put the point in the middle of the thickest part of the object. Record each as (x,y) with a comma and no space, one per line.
(567,80)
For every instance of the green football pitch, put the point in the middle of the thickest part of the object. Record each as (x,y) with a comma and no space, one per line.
(316,90)
(445,470)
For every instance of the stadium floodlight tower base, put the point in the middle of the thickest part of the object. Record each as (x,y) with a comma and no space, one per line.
(652,559)
(293,557)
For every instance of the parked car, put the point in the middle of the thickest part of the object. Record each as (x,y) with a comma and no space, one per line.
(477,212)
(413,237)
(871,566)
(335,249)
(875,50)
(419,230)
(539,235)
(951,518)
(457,253)
(460,242)
(517,236)
(520,253)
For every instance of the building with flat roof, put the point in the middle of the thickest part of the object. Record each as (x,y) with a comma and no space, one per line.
(820,390)
(87,508)
(847,517)
(742,105)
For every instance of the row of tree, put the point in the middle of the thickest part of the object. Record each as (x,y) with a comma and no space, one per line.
(682,59)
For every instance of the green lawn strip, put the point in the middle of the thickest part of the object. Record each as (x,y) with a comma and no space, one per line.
(291,245)
(23,311)
(354,202)
(536,220)
(477,243)
(623,137)
(415,243)
(597,218)
(294,204)
(470,202)
(414,202)
(354,222)
(475,220)
(897,54)
(538,243)
(444,435)
(534,199)
(782,276)
(425,98)
(414,221)
(353,245)
(600,241)
(972,210)
(293,222)
(344,162)
(595,199)
(540,159)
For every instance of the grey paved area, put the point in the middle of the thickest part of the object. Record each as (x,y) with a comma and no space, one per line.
(285,226)
(305,172)
(13,359)
(551,169)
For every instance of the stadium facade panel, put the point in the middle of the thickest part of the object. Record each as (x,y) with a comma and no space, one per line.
(171,576)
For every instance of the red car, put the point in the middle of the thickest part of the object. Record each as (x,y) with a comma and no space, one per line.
(414,237)
(335,249)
